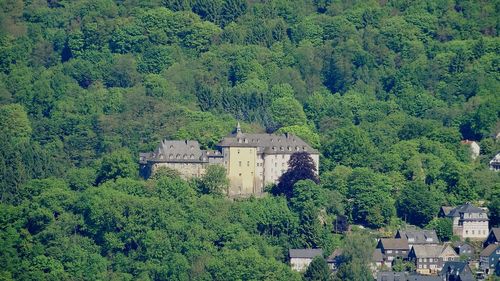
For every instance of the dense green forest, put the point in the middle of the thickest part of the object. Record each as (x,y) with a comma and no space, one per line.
(385,90)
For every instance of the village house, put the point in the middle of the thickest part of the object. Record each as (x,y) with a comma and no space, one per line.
(489,259)
(493,237)
(301,258)
(457,271)
(495,163)
(418,237)
(464,249)
(392,248)
(429,259)
(468,221)
(252,161)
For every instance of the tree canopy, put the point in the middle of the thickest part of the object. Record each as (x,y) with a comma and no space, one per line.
(384,90)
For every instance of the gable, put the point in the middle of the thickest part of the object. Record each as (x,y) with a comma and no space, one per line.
(448,252)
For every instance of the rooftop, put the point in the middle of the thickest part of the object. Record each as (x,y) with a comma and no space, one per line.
(465,208)
(489,250)
(454,267)
(267,143)
(496,233)
(393,243)
(418,236)
(305,253)
(431,251)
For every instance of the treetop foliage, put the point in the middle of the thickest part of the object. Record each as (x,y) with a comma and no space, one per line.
(384,90)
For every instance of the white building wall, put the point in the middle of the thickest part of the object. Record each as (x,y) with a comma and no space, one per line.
(475,229)
(300,264)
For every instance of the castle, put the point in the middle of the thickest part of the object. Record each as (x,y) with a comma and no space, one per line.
(251,160)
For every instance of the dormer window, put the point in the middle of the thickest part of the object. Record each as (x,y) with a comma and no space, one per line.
(289,148)
(246,140)
(161,156)
(281,148)
(192,147)
(192,156)
(170,156)
(239,140)
(274,147)
(178,156)
(171,147)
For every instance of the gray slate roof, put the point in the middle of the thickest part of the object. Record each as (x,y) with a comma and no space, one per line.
(417,277)
(391,276)
(179,151)
(496,233)
(489,250)
(416,237)
(394,244)
(457,268)
(305,253)
(465,208)
(430,251)
(268,143)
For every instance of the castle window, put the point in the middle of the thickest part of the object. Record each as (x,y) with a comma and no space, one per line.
(248,163)
(239,163)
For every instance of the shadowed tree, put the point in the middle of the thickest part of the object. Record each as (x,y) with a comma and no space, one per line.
(318,270)
(300,167)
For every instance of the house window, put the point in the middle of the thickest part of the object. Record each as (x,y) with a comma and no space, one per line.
(419,266)
(466,232)
(389,251)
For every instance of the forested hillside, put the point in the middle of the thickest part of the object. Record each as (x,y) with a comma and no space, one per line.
(385,90)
